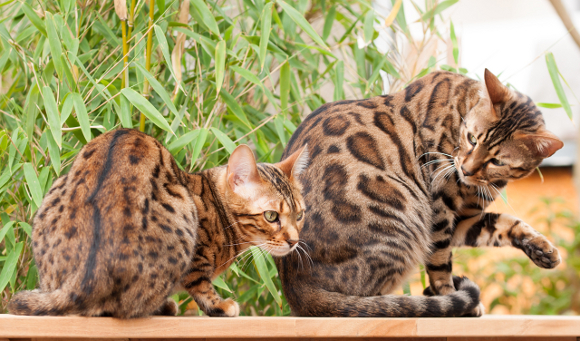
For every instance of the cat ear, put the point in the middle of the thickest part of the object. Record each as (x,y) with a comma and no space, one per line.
(543,143)
(296,163)
(498,93)
(242,168)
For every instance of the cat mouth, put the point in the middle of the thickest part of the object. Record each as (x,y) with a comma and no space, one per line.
(470,181)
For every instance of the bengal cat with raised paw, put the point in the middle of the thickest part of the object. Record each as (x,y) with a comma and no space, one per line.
(399,180)
(126,227)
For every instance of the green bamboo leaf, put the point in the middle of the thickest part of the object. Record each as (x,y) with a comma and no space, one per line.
(82,115)
(235,108)
(27,228)
(279,124)
(159,89)
(10,265)
(185,139)
(440,7)
(160,35)
(265,32)
(208,45)
(553,70)
(207,16)
(34,18)
(262,269)
(5,229)
(368,25)
(219,282)
(146,108)
(33,183)
(302,22)
(247,75)
(55,45)
(376,72)
(407,289)
(228,144)
(328,22)
(54,153)
(30,108)
(454,43)
(220,63)
(549,105)
(124,113)
(198,145)
(284,86)
(52,115)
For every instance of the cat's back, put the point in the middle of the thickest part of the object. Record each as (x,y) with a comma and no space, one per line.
(121,216)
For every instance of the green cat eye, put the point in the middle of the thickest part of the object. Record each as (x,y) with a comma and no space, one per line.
(271,216)
(472,139)
(497,162)
(300,215)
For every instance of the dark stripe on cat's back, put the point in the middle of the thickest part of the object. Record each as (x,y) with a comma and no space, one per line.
(91,263)
(385,123)
(108,164)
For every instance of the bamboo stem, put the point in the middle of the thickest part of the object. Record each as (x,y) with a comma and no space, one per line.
(131,19)
(148,59)
(125,80)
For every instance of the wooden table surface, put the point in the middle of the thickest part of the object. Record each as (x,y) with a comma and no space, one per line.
(489,327)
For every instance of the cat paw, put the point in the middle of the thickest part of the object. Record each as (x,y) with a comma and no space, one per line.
(169,308)
(542,252)
(227,308)
(477,312)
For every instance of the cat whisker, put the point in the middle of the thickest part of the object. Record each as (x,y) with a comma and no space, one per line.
(305,244)
(433,153)
(225,228)
(435,161)
(306,253)
(440,172)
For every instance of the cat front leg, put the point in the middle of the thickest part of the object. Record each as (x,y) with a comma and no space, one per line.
(197,282)
(493,229)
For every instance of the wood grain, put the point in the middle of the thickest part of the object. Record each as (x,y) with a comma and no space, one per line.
(489,327)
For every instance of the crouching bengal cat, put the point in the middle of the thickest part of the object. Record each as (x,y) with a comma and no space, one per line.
(399,180)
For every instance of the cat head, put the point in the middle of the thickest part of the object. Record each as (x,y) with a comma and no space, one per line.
(266,200)
(503,137)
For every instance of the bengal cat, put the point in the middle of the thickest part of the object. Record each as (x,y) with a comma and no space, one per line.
(122,231)
(399,180)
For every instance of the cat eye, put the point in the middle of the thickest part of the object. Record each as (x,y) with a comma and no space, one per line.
(497,162)
(300,215)
(271,216)
(472,139)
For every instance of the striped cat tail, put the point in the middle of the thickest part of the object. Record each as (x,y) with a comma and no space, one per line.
(36,302)
(321,303)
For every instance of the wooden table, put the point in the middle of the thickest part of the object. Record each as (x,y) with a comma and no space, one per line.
(489,327)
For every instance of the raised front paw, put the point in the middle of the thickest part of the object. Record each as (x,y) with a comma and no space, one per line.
(541,252)
(226,308)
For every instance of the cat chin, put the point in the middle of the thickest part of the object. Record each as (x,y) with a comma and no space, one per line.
(276,253)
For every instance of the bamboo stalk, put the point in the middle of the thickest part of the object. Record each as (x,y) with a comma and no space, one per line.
(131,19)
(125,79)
(148,59)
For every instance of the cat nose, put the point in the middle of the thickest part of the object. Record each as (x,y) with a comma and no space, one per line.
(292,242)
(466,173)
